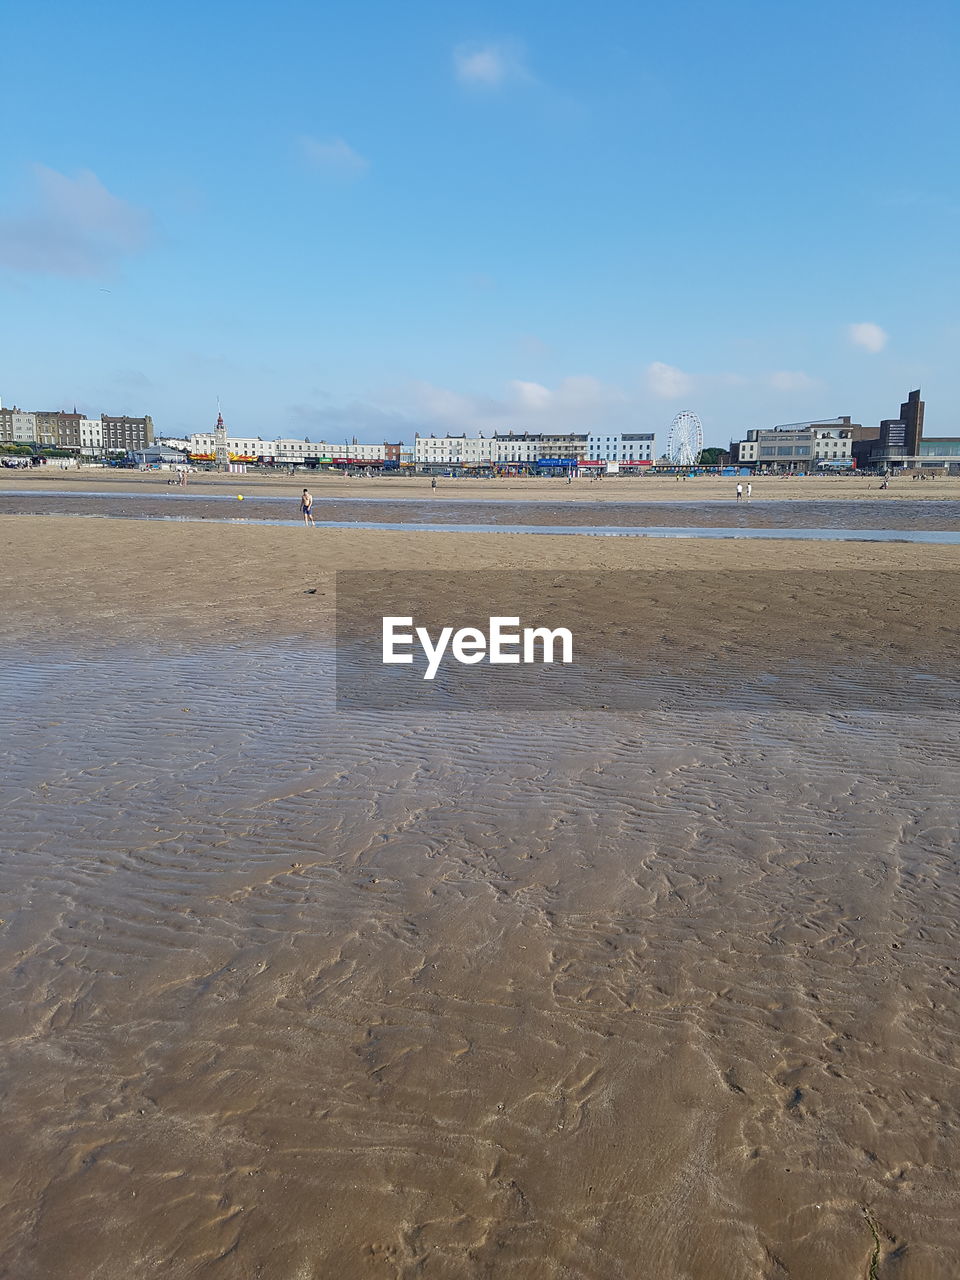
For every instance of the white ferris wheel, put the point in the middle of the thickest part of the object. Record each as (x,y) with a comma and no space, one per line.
(685,439)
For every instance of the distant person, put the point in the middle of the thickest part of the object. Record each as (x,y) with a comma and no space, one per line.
(306,508)
(433,482)
(749,490)
(739,492)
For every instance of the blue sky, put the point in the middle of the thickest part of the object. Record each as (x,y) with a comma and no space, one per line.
(372,218)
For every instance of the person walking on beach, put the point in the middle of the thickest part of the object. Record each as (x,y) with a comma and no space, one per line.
(749,490)
(739,492)
(306,507)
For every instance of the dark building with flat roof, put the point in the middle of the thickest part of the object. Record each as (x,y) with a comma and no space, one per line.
(122,434)
(68,430)
(911,415)
(897,441)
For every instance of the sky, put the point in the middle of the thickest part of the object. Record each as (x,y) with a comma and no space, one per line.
(367,219)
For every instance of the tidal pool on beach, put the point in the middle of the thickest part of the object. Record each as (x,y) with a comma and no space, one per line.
(834,518)
(928,536)
(292,992)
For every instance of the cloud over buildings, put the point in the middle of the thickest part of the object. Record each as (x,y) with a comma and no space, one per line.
(667,382)
(575,403)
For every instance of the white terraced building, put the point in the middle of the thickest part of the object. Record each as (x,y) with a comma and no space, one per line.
(91,436)
(464,451)
(518,450)
(203,445)
(294,451)
(357,452)
(526,448)
(630,447)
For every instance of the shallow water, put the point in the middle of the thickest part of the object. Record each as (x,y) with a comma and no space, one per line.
(294,993)
(942,537)
(573,513)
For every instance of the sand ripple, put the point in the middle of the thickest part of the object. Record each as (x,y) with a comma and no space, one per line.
(292,993)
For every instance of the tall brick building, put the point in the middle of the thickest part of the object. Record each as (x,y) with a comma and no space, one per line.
(68,430)
(121,434)
(911,415)
(47,427)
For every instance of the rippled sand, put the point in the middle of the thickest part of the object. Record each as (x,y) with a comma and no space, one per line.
(293,993)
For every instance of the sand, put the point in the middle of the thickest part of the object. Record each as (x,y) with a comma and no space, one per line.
(229,583)
(298,993)
(609,489)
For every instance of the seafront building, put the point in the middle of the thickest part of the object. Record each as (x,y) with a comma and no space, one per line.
(837,443)
(287,452)
(797,446)
(899,443)
(47,428)
(825,444)
(91,436)
(543,452)
(125,434)
(58,429)
(453,451)
(202,447)
(17,427)
(629,449)
(540,453)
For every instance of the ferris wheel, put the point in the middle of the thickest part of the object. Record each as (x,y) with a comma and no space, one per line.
(685,440)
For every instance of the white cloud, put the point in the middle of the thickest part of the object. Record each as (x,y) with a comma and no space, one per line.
(334,157)
(580,402)
(869,336)
(579,395)
(531,395)
(667,382)
(71,227)
(576,402)
(489,66)
(791,380)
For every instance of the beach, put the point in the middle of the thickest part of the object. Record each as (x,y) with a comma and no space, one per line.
(613,488)
(566,992)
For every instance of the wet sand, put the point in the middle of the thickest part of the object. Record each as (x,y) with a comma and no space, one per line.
(866,512)
(294,993)
(853,488)
(229,583)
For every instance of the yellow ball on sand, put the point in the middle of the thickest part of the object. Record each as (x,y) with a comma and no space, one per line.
(239,497)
